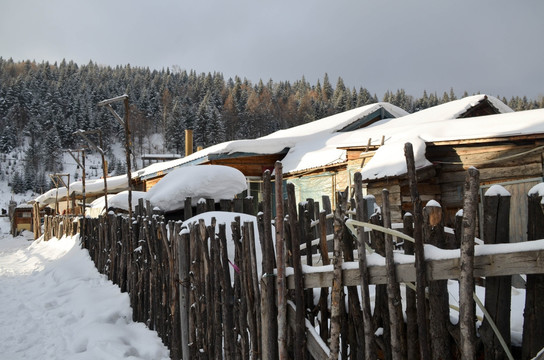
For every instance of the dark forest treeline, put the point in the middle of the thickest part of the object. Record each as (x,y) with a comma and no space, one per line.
(42,104)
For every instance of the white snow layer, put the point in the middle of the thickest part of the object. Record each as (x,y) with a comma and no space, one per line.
(497,190)
(96,186)
(310,140)
(320,143)
(201,181)
(55,305)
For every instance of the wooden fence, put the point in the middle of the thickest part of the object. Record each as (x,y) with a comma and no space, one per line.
(313,300)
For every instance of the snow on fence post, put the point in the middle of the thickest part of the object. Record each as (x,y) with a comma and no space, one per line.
(433,234)
(496,204)
(421,279)
(533,331)
(466,278)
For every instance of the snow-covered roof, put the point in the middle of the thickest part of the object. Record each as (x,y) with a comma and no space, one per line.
(206,181)
(389,159)
(326,149)
(288,138)
(92,187)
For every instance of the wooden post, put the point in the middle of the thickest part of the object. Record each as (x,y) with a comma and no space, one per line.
(396,320)
(280,261)
(412,349)
(421,283)
(336,295)
(268,303)
(433,233)
(184,261)
(466,278)
(533,317)
(187,209)
(218,295)
(228,296)
(305,226)
(300,328)
(240,308)
(362,240)
(324,298)
(498,295)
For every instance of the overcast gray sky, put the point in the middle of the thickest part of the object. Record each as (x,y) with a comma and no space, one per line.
(489,46)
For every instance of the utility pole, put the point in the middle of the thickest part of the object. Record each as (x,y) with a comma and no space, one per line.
(125,123)
(84,134)
(81,164)
(58,178)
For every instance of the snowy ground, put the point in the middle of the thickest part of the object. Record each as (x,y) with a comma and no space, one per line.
(55,305)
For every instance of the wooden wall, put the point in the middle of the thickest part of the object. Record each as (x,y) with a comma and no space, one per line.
(497,163)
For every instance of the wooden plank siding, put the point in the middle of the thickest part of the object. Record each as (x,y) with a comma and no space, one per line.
(254,165)
(497,163)
(495,158)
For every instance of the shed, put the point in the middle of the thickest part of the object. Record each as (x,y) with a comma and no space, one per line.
(21,219)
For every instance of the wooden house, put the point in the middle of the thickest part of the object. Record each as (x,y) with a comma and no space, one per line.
(361,144)
(507,149)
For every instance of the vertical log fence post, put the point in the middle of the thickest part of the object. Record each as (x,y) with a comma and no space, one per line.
(268,301)
(533,317)
(466,278)
(396,320)
(498,297)
(421,281)
(300,328)
(433,234)
(280,261)
(337,287)
(412,348)
(362,239)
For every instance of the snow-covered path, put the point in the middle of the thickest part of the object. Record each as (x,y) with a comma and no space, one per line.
(55,305)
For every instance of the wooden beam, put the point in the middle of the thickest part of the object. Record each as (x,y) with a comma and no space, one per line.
(523,262)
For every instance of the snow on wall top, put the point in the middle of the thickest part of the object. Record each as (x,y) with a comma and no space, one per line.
(96,186)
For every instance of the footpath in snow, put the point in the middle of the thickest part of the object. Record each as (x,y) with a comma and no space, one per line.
(55,305)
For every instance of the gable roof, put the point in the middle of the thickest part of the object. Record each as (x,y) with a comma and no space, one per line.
(330,149)
(389,159)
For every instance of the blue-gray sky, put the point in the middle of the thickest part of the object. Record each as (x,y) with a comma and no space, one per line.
(489,46)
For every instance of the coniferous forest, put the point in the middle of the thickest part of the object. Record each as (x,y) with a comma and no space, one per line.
(43,104)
